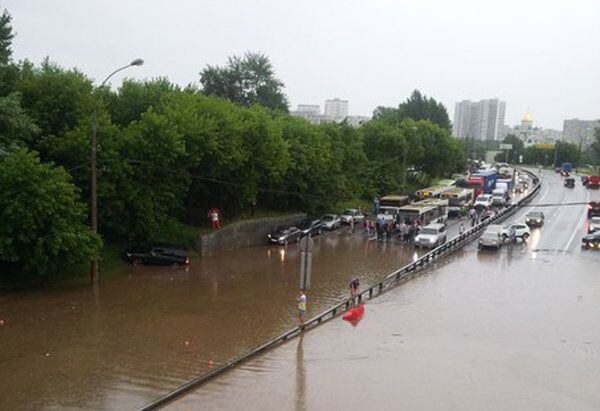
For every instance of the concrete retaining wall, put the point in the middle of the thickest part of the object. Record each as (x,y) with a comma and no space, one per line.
(242,234)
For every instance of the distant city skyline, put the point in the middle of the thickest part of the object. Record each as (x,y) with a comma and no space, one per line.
(538,57)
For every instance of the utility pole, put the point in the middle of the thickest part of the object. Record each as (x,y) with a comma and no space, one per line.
(94,173)
(555,154)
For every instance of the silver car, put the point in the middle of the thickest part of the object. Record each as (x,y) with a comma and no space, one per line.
(331,221)
(594,225)
(492,237)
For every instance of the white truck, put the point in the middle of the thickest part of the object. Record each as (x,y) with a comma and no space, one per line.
(499,196)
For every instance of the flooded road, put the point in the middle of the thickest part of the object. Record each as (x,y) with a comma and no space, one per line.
(514,329)
(151,329)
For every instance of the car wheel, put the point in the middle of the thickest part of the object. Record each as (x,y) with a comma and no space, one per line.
(137,261)
(175,264)
(525,236)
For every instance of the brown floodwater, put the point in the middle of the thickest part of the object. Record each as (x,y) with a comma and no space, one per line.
(152,328)
(511,329)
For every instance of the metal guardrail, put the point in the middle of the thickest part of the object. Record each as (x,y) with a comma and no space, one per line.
(384,285)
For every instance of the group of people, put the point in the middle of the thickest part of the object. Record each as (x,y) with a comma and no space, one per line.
(477,215)
(405,230)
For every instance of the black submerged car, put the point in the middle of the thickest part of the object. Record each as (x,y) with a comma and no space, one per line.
(159,254)
(284,234)
(311,226)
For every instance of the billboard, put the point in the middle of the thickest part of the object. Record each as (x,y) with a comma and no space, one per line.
(544,146)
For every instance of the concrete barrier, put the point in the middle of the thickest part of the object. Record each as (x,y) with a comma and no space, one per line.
(242,234)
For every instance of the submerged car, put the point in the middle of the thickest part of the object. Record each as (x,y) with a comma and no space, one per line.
(331,221)
(591,240)
(310,226)
(284,235)
(534,219)
(159,254)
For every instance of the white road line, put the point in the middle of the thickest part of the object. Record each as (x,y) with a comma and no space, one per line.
(577,227)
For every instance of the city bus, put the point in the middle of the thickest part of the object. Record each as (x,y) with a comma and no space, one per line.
(458,197)
(432,192)
(427,211)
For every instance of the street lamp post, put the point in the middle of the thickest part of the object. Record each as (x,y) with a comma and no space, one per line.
(94,172)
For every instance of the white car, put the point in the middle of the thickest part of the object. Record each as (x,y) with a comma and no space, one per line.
(594,224)
(350,214)
(518,230)
(331,221)
(431,236)
(484,200)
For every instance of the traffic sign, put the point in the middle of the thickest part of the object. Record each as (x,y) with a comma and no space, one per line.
(306,246)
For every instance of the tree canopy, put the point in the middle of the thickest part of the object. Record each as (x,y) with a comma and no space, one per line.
(246,81)
(416,107)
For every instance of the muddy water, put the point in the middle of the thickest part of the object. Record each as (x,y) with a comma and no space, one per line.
(151,329)
(487,330)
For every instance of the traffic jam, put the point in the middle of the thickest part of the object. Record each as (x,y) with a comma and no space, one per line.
(422,219)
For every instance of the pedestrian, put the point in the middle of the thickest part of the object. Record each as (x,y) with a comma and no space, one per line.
(390,230)
(402,232)
(351,225)
(375,205)
(301,299)
(472,215)
(354,288)
(379,229)
(461,229)
(214,218)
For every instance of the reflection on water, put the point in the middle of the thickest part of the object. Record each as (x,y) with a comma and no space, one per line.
(125,341)
(300,376)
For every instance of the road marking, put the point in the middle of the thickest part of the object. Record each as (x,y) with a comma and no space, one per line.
(583,216)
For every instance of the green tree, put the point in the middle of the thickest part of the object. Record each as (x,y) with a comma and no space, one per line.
(595,148)
(56,99)
(567,153)
(6,37)
(245,81)
(43,226)
(16,127)
(515,152)
(135,97)
(416,107)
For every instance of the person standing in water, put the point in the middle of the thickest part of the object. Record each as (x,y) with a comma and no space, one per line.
(301,308)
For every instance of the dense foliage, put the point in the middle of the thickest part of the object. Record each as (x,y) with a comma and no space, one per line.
(167,154)
(416,107)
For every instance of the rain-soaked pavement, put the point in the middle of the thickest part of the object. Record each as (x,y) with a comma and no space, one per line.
(514,329)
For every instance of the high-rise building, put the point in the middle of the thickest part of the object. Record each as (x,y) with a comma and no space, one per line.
(580,131)
(482,120)
(336,109)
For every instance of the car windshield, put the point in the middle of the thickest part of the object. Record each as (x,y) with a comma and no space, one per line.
(484,198)
(327,218)
(429,231)
(595,220)
(349,212)
(280,230)
(534,215)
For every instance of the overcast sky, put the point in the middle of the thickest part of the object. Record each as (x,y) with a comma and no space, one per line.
(538,56)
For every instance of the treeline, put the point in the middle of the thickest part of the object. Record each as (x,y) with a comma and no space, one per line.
(166,154)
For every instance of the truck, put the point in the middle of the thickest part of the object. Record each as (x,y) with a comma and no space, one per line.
(506,172)
(499,196)
(482,181)
(566,167)
(505,182)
